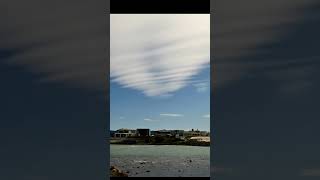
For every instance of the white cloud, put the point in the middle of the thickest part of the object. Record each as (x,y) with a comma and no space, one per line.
(171,115)
(158,54)
(201,87)
(121,117)
(150,120)
(206,116)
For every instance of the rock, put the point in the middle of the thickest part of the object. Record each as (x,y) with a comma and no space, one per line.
(115,172)
(147,171)
(190,160)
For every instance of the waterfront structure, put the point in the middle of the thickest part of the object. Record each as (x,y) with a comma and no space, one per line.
(204,133)
(143,132)
(112,133)
(123,133)
(153,133)
(164,132)
(201,138)
(193,133)
(177,132)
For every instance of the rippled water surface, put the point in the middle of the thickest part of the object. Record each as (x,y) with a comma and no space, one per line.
(161,160)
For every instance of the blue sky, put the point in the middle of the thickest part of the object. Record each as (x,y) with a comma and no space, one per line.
(160,79)
(187,108)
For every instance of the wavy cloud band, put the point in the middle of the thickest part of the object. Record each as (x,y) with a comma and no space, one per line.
(158,54)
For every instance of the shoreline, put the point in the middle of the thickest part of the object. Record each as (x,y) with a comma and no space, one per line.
(158,141)
(161,160)
(163,166)
(160,144)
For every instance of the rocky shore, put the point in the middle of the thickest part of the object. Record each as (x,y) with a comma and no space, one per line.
(116,172)
(159,141)
(160,167)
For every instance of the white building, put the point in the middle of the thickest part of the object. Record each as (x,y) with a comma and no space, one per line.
(123,133)
(201,138)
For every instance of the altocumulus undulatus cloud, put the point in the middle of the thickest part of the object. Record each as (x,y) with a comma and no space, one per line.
(158,54)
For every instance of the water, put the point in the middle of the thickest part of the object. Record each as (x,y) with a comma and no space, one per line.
(156,150)
(161,160)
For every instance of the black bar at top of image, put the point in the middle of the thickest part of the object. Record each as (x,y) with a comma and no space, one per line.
(160,178)
(159,6)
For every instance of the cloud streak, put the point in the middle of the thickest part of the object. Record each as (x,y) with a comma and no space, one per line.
(206,116)
(158,54)
(151,120)
(171,115)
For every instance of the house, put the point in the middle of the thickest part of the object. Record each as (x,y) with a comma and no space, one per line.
(177,132)
(153,133)
(201,138)
(204,133)
(143,132)
(164,132)
(192,133)
(123,133)
(112,133)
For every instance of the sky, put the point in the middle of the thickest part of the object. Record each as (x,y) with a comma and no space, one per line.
(160,71)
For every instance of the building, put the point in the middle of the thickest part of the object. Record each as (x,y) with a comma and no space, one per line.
(143,132)
(112,133)
(168,133)
(204,133)
(177,132)
(123,133)
(164,132)
(153,133)
(192,133)
(201,138)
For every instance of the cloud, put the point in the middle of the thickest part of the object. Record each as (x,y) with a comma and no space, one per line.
(172,115)
(206,116)
(201,87)
(151,120)
(121,117)
(158,54)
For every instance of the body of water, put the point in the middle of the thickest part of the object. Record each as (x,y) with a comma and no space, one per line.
(161,160)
